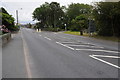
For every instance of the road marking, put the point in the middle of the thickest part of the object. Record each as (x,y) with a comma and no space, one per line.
(26,57)
(97,50)
(65,45)
(40,35)
(55,33)
(86,46)
(65,37)
(78,43)
(47,38)
(106,56)
(68,42)
(104,61)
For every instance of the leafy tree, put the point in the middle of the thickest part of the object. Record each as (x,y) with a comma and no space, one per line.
(75,10)
(41,13)
(107,17)
(4,11)
(80,23)
(50,15)
(7,20)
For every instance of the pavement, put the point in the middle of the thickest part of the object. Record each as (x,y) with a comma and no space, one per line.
(13,60)
(34,54)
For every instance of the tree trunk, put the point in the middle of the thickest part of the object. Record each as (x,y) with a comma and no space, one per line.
(81,32)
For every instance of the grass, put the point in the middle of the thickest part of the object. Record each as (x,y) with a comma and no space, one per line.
(75,33)
(115,39)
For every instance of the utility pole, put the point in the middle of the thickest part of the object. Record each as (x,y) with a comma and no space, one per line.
(17,17)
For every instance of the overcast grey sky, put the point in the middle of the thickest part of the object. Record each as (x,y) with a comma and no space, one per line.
(28,6)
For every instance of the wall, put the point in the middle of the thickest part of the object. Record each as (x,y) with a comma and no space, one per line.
(4,39)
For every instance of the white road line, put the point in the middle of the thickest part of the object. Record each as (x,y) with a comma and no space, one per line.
(65,45)
(68,42)
(55,33)
(47,38)
(65,37)
(78,43)
(106,56)
(97,50)
(40,35)
(26,57)
(86,46)
(94,45)
(104,61)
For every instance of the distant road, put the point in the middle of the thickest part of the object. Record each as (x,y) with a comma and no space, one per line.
(59,55)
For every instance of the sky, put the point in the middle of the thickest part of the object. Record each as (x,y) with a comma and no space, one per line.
(26,7)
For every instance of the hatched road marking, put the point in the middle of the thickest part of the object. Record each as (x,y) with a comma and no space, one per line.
(65,45)
(47,38)
(40,35)
(93,56)
(106,56)
(97,50)
(86,46)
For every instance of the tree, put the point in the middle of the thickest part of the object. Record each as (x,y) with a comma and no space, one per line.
(81,23)
(107,17)
(75,10)
(7,20)
(4,11)
(50,15)
(41,13)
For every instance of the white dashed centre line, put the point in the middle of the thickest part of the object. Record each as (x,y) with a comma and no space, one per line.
(47,38)
(40,35)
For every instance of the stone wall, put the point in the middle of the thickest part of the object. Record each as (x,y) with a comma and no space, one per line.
(4,39)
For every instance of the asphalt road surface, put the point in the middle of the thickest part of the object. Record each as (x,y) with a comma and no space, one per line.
(58,55)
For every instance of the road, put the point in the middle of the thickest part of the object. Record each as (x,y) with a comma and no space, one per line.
(59,55)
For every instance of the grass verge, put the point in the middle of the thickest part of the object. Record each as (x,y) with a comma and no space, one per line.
(115,39)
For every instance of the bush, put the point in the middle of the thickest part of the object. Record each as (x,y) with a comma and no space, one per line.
(51,29)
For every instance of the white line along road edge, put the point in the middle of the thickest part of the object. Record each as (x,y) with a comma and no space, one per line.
(47,38)
(65,46)
(92,56)
(26,57)
(97,50)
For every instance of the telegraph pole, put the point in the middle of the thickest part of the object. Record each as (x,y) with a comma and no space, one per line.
(17,16)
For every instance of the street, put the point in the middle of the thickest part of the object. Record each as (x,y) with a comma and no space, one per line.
(32,54)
